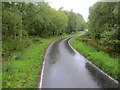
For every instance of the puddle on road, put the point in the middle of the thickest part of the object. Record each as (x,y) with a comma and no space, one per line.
(102,79)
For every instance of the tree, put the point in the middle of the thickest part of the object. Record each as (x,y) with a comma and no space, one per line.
(103,23)
(75,22)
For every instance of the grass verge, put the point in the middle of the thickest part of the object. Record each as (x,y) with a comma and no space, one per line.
(101,59)
(23,70)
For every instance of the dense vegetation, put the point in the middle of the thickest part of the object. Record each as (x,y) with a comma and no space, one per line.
(21,20)
(75,22)
(103,25)
(27,29)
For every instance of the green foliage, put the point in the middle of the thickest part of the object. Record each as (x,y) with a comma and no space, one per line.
(21,20)
(109,38)
(10,46)
(75,22)
(11,23)
(23,70)
(103,24)
(48,23)
(38,20)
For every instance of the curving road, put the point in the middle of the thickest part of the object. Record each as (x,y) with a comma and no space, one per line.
(63,67)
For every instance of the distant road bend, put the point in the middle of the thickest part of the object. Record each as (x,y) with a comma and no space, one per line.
(64,67)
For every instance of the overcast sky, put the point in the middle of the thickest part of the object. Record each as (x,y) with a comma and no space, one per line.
(78,6)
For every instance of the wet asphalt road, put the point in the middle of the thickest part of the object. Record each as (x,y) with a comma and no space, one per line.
(66,68)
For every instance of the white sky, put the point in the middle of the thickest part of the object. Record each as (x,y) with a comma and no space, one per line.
(78,6)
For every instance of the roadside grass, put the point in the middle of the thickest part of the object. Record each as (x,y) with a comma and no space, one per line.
(23,70)
(101,59)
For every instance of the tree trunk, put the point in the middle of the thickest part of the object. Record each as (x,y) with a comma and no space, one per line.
(21,22)
(14,35)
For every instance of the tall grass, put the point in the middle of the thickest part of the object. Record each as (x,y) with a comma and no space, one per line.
(22,71)
(10,46)
(101,59)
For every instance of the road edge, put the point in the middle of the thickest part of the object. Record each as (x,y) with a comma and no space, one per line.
(40,77)
(94,65)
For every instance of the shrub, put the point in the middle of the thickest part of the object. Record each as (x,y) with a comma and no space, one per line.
(11,46)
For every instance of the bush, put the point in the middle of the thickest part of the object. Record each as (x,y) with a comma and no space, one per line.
(11,46)
(36,39)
